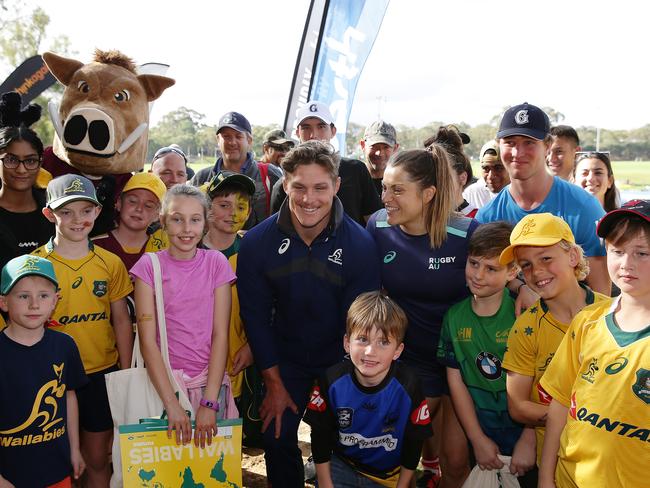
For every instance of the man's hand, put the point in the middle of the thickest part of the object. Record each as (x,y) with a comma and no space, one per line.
(276,401)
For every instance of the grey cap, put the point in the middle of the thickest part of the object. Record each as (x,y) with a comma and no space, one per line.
(380,131)
(278,137)
(70,188)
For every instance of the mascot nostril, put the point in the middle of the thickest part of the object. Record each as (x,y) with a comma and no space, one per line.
(75,130)
(99,134)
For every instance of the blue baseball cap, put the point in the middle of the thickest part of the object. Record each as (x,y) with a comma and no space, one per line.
(70,188)
(524,120)
(236,121)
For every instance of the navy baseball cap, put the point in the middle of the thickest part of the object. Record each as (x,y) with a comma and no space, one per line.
(236,121)
(640,208)
(524,120)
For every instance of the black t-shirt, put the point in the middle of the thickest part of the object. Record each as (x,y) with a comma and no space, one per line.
(21,233)
(34,445)
(357,191)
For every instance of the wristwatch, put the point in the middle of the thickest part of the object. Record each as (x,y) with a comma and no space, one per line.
(209,404)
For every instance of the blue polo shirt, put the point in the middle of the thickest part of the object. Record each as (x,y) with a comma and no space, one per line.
(293,297)
(580,210)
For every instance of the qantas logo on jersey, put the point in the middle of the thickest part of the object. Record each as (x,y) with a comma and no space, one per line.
(82,317)
(611,425)
(316,402)
(420,415)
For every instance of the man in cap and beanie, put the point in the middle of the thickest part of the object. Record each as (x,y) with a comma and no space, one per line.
(378,144)
(276,144)
(524,139)
(493,176)
(235,141)
(357,193)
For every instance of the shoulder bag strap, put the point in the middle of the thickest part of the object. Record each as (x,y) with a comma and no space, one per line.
(160,309)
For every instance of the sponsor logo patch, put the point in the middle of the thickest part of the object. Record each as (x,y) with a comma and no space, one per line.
(316,402)
(420,415)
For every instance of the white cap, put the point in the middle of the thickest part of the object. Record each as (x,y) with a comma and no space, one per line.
(314,109)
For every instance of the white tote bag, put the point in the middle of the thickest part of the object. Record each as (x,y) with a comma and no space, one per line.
(131,394)
(492,478)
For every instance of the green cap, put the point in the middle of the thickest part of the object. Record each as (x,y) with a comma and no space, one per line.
(26,265)
(230,179)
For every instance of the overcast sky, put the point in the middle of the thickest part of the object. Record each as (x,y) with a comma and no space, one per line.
(451,61)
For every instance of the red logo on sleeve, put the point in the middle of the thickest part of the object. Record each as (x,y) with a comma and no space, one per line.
(316,402)
(574,406)
(544,397)
(420,415)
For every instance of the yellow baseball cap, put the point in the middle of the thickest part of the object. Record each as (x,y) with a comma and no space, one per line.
(542,229)
(146,181)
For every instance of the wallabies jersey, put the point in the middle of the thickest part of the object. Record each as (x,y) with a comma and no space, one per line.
(34,446)
(475,345)
(532,343)
(602,375)
(368,427)
(87,287)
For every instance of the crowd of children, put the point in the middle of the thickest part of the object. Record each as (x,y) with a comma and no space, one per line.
(558,394)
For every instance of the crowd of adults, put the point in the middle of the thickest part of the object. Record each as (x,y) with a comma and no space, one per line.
(321,234)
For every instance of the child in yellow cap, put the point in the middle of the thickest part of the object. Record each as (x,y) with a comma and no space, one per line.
(138,207)
(553,266)
(598,428)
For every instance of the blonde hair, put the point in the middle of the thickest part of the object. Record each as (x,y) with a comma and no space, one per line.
(581,269)
(431,167)
(374,309)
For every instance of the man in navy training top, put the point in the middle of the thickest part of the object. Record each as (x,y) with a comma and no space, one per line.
(297,274)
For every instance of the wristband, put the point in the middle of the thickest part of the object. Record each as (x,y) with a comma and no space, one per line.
(519,287)
(209,404)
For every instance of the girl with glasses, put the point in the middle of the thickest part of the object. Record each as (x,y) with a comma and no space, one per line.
(23,227)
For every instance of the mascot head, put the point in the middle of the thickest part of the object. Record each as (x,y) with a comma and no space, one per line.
(101,125)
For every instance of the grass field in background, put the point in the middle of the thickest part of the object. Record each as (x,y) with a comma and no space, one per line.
(629,175)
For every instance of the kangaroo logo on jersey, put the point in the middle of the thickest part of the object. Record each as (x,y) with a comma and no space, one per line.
(642,386)
(590,373)
(489,365)
(100,287)
(284,245)
(344,416)
(336,257)
(44,414)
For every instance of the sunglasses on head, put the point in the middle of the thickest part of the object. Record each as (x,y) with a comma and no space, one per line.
(166,150)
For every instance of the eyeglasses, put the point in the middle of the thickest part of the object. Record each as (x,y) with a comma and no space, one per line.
(10,161)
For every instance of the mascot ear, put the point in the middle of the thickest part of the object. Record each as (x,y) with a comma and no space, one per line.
(154,85)
(62,68)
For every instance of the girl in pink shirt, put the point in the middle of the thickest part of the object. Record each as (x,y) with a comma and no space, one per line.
(196,286)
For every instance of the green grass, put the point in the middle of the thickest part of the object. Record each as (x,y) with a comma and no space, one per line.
(629,175)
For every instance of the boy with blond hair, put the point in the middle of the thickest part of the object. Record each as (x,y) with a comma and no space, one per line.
(472,345)
(92,309)
(41,369)
(553,265)
(368,415)
(597,430)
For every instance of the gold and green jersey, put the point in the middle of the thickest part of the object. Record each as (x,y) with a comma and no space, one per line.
(532,343)
(87,287)
(602,374)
